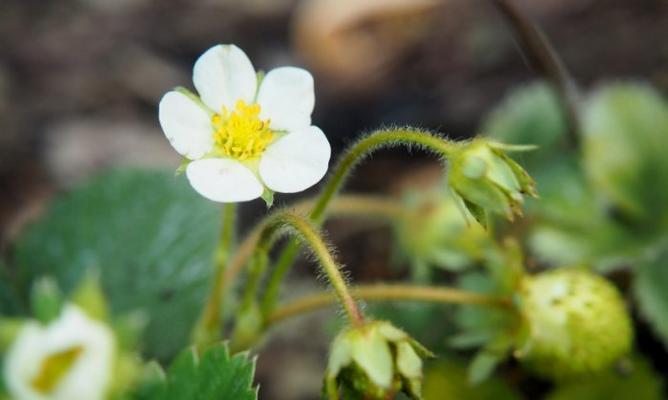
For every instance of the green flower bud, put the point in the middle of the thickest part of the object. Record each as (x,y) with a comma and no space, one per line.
(374,361)
(487,179)
(578,323)
(433,232)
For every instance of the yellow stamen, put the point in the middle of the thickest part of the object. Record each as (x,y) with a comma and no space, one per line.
(241,134)
(54,368)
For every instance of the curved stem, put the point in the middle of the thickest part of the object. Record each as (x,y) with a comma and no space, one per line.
(342,205)
(362,148)
(358,205)
(544,58)
(383,138)
(319,248)
(264,234)
(387,292)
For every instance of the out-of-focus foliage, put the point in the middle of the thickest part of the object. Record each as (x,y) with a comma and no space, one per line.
(530,115)
(640,383)
(591,202)
(625,141)
(150,237)
(9,299)
(434,232)
(213,374)
(448,380)
(650,289)
(494,331)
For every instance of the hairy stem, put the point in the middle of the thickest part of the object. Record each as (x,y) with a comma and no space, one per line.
(543,58)
(387,292)
(359,151)
(302,228)
(383,138)
(342,205)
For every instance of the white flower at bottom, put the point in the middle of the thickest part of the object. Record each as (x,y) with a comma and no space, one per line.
(70,358)
(243,139)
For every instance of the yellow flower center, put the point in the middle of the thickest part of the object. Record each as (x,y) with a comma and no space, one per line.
(54,368)
(241,134)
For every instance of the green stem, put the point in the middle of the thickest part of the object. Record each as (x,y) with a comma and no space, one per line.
(264,234)
(343,205)
(544,58)
(310,235)
(349,160)
(387,292)
(364,147)
(209,324)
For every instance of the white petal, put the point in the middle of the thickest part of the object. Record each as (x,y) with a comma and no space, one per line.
(186,124)
(296,161)
(223,180)
(87,378)
(223,75)
(287,97)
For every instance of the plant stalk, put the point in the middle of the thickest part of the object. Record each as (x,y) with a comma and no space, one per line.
(387,292)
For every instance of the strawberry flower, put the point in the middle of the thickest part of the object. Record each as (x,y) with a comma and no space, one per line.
(245,136)
(70,358)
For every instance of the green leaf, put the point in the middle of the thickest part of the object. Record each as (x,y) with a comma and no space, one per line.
(650,289)
(640,383)
(150,236)
(213,375)
(624,146)
(530,115)
(10,302)
(448,380)
(572,228)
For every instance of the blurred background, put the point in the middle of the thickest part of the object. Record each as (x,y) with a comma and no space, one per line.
(80,82)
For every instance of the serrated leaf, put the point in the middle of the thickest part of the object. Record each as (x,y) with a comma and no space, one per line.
(625,140)
(640,383)
(151,237)
(213,375)
(650,289)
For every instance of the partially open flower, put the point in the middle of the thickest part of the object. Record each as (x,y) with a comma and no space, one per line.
(374,361)
(487,179)
(70,358)
(578,323)
(246,137)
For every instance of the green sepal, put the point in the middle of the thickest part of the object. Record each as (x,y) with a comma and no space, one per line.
(90,297)
(268,197)
(46,300)
(182,167)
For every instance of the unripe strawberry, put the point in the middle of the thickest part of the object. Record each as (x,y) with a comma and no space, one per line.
(432,232)
(578,323)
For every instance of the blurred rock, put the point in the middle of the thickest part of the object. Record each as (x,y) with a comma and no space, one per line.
(76,149)
(146,74)
(355,43)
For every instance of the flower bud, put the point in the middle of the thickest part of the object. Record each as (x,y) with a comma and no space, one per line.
(374,361)
(487,179)
(578,323)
